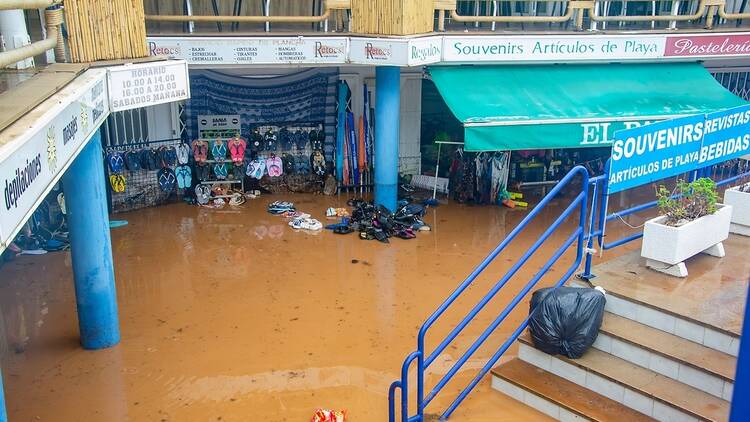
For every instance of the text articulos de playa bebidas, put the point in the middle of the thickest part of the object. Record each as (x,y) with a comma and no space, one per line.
(650,143)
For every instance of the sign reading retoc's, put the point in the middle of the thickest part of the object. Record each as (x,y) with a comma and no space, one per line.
(652,152)
(146,84)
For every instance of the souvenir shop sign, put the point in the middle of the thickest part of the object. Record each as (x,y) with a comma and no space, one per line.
(147,84)
(251,50)
(397,52)
(36,150)
(552,48)
(652,152)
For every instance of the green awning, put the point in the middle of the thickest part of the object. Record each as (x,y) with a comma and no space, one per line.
(572,106)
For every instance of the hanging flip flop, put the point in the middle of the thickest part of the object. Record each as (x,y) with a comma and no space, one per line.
(237,148)
(269,139)
(116,162)
(260,168)
(202,194)
(183,153)
(219,150)
(117,181)
(167,179)
(132,161)
(275,166)
(179,173)
(221,171)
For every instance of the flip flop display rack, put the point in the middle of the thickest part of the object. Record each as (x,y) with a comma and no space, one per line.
(146,174)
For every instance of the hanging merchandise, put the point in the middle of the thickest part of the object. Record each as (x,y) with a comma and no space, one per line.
(256,140)
(116,162)
(362,156)
(117,181)
(219,150)
(368,130)
(286,138)
(202,171)
(221,171)
(237,147)
(166,179)
(275,166)
(200,151)
(269,139)
(341,130)
(202,194)
(301,139)
(289,166)
(184,176)
(154,159)
(318,163)
(183,153)
(352,139)
(133,160)
(168,156)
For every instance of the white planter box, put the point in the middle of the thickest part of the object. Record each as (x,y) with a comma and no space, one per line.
(740,202)
(666,247)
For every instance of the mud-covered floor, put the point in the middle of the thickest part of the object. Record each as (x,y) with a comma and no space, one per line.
(231,315)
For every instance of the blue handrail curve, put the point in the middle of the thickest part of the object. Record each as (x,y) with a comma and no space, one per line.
(578,237)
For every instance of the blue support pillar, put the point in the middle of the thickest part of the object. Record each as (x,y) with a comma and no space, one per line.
(91,248)
(3,414)
(740,403)
(387,115)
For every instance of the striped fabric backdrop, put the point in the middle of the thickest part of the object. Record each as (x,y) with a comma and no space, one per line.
(307,97)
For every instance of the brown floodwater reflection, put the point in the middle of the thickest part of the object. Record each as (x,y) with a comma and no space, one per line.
(232,315)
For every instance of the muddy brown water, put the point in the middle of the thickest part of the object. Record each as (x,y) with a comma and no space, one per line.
(231,315)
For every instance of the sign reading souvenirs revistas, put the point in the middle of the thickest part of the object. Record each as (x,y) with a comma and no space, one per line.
(146,84)
(652,152)
(251,50)
(35,153)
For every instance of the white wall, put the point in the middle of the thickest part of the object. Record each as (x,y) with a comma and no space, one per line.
(410,157)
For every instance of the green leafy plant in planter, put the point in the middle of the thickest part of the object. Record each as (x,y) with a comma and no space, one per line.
(688,201)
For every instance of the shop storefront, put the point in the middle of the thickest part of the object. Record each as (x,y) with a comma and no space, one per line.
(542,120)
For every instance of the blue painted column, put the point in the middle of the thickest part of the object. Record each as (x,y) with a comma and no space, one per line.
(740,403)
(387,115)
(3,414)
(91,248)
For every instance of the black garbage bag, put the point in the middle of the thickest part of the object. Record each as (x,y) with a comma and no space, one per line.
(565,320)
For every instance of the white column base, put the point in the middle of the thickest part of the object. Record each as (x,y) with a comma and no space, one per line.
(716,250)
(739,229)
(676,270)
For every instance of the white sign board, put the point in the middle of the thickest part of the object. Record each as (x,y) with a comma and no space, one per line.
(147,84)
(558,48)
(425,51)
(252,50)
(37,149)
(379,51)
(219,122)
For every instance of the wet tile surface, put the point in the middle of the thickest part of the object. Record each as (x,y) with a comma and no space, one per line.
(232,315)
(713,294)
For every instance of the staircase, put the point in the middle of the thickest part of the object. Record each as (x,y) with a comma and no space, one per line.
(648,362)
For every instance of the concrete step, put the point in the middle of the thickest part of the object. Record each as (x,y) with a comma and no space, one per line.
(558,397)
(621,302)
(638,388)
(667,354)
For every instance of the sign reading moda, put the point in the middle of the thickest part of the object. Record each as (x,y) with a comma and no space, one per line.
(36,150)
(648,153)
(146,84)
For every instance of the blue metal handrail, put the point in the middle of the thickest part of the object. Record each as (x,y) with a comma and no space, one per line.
(579,235)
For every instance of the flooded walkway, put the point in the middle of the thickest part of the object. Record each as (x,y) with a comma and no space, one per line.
(232,315)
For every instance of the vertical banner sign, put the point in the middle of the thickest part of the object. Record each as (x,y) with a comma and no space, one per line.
(649,153)
(146,84)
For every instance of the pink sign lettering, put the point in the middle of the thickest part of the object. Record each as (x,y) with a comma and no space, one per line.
(713,45)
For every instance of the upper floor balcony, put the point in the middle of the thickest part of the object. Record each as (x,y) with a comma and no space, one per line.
(410,17)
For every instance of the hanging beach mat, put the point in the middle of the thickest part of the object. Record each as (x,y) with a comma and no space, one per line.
(572,106)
